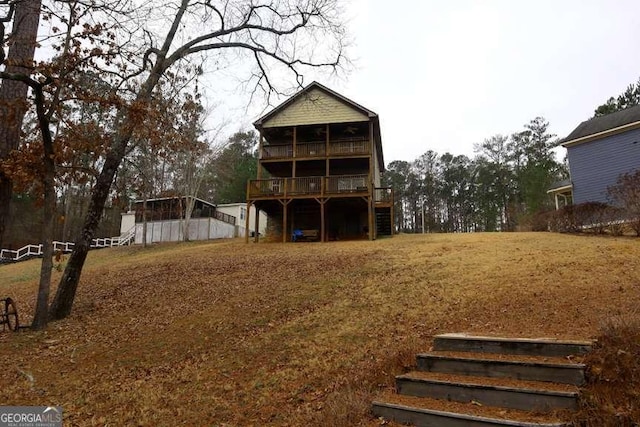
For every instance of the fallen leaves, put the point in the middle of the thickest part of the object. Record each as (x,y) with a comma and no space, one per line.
(281,334)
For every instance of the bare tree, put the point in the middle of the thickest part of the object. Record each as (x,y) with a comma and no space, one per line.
(284,36)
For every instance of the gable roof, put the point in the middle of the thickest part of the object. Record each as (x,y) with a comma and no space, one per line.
(313,85)
(604,125)
(373,117)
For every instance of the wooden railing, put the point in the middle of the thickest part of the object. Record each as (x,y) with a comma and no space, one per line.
(384,195)
(311,185)
(221,216)
(266,187)
(310,149)
(277,152)
(342,147)
(305,185)
(349,147)
(347,184)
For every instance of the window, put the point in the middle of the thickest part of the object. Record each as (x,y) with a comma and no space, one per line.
(243,212)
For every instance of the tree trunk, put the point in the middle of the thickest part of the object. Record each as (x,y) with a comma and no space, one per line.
(13,94)
(66,293)
(49,212)
(61,306)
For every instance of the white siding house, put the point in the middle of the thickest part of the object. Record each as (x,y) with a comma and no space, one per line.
(165,221)
(239,210)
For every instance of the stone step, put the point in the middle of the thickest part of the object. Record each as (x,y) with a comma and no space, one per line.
(479,364)
(423,412)
(525,346)
(500,392)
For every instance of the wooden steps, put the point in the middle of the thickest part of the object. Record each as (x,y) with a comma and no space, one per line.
(507,378)
(524,346)
(542,369)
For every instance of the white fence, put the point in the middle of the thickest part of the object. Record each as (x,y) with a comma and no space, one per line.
(36,250)
(172,230)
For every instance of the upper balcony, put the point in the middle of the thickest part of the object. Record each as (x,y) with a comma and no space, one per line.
(318,186)
(346,147)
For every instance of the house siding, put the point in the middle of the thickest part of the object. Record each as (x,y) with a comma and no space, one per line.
(596,165)
(315,108)
(235,209)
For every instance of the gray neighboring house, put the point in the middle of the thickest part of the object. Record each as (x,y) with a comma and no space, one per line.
(599,150)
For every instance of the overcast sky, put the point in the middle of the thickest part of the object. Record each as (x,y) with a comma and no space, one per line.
(446,74)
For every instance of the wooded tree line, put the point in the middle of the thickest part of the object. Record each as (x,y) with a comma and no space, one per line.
(501,188)
(217,173)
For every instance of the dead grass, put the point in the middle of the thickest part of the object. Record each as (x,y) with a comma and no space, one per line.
(612,394)
(230,334)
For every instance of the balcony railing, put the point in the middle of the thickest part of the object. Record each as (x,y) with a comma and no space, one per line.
(383,195)
(305,185)
(347,184)
(277,152)
(311,186)
(310,149)
(349,147)
(343,147)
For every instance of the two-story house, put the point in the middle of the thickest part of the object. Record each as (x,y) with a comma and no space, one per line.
(599,150)
(320,163)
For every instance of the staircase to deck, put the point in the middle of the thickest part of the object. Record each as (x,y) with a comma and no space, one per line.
(383,221)
(488,381)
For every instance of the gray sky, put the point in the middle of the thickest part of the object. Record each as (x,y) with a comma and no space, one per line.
(446,74)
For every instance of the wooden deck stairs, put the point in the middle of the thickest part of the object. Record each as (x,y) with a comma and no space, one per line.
(383,221)
(488,381)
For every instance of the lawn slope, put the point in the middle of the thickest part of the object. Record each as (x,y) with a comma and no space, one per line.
(223,333)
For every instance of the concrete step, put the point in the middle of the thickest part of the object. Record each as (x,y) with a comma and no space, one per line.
(481,364)
(423,412)
(525,346)
(505,393)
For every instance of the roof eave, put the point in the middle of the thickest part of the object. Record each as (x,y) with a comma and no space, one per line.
(603,134)
(560,189)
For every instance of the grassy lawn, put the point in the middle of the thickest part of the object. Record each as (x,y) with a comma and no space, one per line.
(223,333)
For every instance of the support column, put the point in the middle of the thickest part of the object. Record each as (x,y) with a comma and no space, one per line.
(295,142)
(393,212)
(284,222)
(371,222)
(256,235)
(323,228)
(372,185)
(246,223)
(260,145)
(326,149)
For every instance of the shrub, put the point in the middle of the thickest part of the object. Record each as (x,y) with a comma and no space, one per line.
(626,194)
(576,218)
(611,396)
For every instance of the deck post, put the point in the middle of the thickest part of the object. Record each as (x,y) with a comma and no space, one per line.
(246,224)
(372,184)
(256,235)
(393,212)
(326,140)
(260,145)
(295,144)
(371,224)
(284,222)
(322,222)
